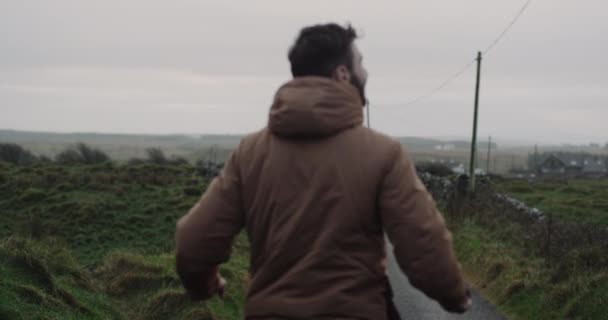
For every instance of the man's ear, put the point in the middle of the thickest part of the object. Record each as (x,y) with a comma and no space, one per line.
(341,73)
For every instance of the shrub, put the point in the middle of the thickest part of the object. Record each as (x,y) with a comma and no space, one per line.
(435,169)
(90,155)
(208,169)
(15,154)
(156,155)
(68,157)
(81,154)
(178,161)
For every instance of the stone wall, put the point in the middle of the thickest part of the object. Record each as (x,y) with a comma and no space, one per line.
(539,232)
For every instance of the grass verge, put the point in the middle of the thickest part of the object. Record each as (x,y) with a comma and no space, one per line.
(525,287)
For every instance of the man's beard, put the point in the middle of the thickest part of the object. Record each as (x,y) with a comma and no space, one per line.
(357,83)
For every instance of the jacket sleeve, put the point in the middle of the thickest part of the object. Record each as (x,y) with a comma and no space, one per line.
(204,236)
(421,241)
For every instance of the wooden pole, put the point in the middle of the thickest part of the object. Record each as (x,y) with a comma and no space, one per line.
(489,155)
(474,139)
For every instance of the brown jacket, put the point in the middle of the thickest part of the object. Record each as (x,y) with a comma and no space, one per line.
(316,191)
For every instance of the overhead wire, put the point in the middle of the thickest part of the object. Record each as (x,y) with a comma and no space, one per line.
(506,30)
(456,75)
(444,84)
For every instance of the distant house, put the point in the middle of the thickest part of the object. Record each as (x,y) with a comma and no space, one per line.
(445,146)
(521,174)
(552,165)
(595,168)
(563,164)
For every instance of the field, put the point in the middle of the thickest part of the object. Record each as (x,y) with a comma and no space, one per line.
(550,268)
(582,200)
(96,242)
(524,285)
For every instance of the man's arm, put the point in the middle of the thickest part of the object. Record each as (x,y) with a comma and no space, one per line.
(204,236)
(422,243)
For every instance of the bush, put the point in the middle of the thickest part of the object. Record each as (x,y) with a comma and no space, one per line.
(15,154)
(435,169)
(156,155)
(68,157)
(208,169)
(81,154)
(178,161)
(90,155)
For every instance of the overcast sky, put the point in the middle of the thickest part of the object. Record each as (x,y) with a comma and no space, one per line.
(142,66)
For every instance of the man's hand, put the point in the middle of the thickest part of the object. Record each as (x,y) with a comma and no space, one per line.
(468,305)
(219,283)
(214,284)
(464,306)
(221,286)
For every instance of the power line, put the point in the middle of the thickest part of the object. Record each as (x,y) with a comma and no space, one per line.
(453,77)
(519,14)
(442,85)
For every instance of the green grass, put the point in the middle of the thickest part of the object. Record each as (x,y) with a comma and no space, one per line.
(522,285)
(44,281)
(99,208)
(96,242)
(583,200)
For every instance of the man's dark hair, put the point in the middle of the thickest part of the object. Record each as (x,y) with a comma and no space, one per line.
(319,49)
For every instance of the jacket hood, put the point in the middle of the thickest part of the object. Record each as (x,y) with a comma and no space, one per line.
(314,107)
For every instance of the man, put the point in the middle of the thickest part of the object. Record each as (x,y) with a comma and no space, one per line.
(316,191)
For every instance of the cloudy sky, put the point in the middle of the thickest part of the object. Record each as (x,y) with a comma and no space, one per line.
(148,66)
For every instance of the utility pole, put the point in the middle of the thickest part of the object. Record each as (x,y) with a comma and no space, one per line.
(536,159)
(489,154)
(474,139)
(367,111)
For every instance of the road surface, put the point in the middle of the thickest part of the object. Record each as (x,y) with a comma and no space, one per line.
(412,304)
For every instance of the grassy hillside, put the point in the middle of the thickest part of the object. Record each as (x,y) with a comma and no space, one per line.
(96,242)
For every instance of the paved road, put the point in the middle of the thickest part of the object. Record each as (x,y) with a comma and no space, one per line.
(412,304)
